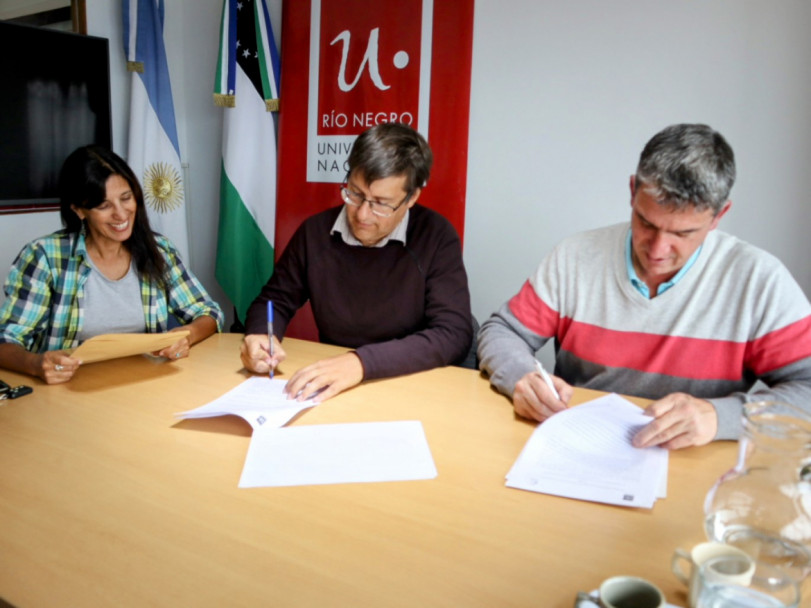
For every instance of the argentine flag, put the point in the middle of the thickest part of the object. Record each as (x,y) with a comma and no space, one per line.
(246,85)
(154,153)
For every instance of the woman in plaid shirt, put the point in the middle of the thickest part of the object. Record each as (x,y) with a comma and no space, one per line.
(105,272)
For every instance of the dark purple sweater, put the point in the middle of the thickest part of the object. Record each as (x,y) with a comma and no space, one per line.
(403,309)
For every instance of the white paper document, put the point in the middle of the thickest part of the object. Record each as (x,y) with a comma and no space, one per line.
(585,452)
(259,400)
(338,453)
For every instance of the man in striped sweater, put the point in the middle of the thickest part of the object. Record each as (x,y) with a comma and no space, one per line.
(666,307)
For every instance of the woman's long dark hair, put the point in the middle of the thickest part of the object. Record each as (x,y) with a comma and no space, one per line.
(83,184)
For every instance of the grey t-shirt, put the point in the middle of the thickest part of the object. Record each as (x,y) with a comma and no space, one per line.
(112,307)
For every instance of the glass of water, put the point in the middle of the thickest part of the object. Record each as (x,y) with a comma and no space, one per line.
(770,587)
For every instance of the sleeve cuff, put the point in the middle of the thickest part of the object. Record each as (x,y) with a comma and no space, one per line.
(729,411)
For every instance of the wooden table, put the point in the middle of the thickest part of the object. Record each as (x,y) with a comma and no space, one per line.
(106,499)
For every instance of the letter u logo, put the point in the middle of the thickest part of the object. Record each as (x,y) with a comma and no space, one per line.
(369,59)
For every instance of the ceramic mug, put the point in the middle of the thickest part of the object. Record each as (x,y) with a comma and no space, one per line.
(624,592)
(767,587)
(738,570)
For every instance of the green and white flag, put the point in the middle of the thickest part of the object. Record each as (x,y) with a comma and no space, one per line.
(247,87)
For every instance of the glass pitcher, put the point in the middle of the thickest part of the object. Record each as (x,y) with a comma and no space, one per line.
(763,504)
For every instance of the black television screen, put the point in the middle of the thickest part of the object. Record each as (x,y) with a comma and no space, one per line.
(56,97)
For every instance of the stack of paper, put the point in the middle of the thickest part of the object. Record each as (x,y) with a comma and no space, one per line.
(317,454)
(586,453)
(338,453)
(259,400)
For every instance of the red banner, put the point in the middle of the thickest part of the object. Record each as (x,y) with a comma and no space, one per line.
(348,65)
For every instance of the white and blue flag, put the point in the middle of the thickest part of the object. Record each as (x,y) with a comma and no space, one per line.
(154,152)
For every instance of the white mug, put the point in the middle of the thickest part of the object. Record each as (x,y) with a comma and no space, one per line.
(738,570)
(625,592)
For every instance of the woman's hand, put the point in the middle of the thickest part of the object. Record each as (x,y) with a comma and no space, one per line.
(53,366)
(57,366)
(199,329)
(177,350)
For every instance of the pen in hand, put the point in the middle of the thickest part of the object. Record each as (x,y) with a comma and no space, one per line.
(547,379)
(270,334)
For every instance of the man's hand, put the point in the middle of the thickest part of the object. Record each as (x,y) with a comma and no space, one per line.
(255,353)
(533,399)
(679,421)
(325,378)
(56,366)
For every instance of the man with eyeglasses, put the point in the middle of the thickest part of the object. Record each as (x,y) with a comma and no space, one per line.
(664,307)
(384,276)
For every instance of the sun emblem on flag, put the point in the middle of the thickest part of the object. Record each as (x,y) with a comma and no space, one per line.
(163,189)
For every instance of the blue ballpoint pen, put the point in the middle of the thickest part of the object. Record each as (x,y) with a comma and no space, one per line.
(270,333)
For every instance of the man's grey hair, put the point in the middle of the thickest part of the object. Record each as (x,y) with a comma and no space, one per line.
(687,164)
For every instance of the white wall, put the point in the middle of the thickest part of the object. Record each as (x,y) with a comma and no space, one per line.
(564,96)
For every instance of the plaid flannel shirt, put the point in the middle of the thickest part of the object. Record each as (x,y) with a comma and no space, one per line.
(45,290)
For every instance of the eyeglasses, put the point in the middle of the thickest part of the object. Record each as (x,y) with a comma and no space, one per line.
(356,200)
